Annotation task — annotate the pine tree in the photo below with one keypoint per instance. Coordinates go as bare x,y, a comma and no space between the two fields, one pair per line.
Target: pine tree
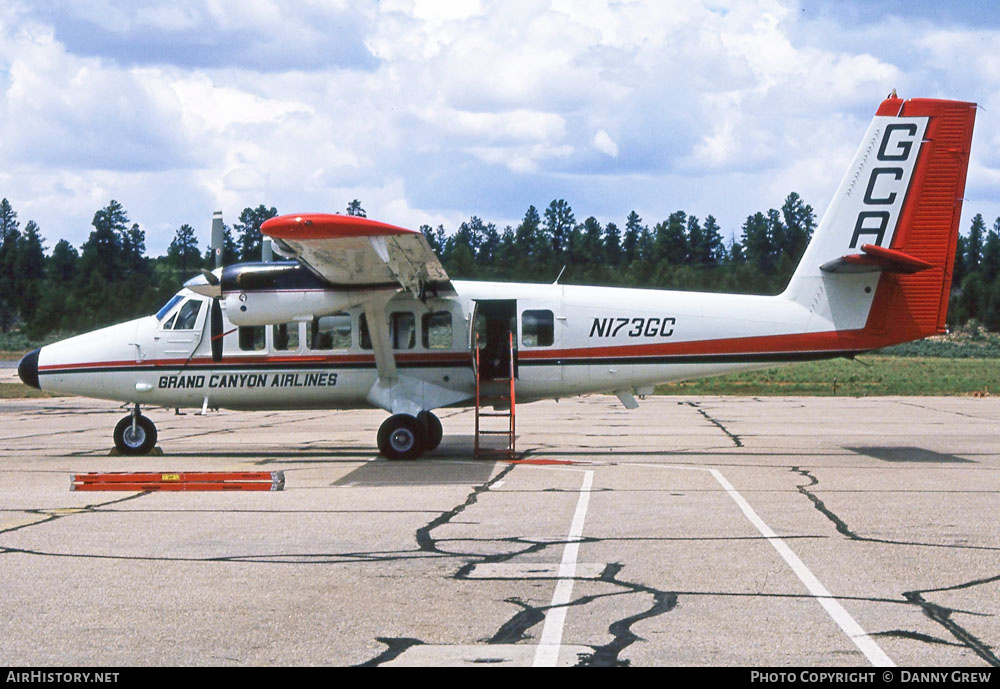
670,240
713,241
62,264
558,225
974,244
183,253
29,271
699,252
990,263
58,308
799,225
612,245
102,255
9,235
588,253
354,208
527,233
757,242
630,242
488,246
249,238
507,255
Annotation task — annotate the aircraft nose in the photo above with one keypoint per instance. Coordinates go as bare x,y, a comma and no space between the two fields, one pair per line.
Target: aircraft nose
27,370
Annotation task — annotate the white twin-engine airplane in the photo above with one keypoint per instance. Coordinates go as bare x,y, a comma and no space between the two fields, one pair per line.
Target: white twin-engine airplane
365,315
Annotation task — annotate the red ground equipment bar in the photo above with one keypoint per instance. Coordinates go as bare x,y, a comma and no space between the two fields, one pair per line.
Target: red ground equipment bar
181,480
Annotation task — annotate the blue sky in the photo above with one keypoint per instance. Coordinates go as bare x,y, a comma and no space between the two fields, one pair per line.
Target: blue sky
429,112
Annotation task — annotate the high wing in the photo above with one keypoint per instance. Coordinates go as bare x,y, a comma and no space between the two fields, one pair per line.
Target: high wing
354,252
374,261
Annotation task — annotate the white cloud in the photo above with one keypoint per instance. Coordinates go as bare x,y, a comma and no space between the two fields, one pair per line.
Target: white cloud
444,110
605,144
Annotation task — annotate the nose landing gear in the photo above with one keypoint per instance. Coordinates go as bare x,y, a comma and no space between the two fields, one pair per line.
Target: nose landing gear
135,434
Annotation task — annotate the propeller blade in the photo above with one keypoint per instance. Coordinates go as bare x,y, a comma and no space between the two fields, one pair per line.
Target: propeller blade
205,284
217,333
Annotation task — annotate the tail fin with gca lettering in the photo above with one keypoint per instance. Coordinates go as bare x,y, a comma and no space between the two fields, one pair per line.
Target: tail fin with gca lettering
879,266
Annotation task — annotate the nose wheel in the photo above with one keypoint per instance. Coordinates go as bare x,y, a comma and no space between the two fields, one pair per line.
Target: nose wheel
135,434
402,436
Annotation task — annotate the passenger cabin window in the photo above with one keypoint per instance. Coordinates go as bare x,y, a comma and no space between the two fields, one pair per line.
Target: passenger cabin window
537,328
251,338
285,337
436,330
402,330
330,332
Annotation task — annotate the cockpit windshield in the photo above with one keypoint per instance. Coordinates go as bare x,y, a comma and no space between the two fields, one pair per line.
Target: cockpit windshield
166,307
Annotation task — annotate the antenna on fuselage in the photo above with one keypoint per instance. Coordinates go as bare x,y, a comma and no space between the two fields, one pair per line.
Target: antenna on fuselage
217,229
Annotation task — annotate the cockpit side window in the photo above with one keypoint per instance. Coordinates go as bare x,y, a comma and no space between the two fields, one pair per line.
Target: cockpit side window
187,317
166,307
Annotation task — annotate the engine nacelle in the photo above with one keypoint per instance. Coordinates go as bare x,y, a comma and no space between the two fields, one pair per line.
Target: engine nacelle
266,293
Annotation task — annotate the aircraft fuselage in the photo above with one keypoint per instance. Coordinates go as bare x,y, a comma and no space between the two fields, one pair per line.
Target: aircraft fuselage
569,340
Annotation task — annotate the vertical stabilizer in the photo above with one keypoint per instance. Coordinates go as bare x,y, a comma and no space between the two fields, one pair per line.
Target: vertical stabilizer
880,262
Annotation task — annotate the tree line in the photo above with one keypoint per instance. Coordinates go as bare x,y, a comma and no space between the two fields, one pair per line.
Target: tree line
110,278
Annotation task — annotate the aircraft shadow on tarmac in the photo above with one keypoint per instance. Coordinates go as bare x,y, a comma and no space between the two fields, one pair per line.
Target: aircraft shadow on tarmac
426,472
908,454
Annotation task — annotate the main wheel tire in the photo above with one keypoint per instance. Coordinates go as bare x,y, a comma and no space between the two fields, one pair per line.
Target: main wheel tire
138,441
401,436
432,426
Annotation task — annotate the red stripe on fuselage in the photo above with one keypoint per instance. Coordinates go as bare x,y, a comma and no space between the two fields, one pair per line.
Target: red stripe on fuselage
460,358
832,341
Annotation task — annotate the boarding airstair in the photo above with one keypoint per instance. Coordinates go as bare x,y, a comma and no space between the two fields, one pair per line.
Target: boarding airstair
495,429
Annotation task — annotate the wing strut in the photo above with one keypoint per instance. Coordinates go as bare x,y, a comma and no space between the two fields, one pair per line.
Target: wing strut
378,330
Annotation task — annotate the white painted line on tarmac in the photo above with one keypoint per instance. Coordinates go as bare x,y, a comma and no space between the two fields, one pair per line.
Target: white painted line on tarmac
547,653
876,656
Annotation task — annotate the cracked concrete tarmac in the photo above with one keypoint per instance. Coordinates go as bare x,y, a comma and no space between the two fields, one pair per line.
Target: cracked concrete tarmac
889,504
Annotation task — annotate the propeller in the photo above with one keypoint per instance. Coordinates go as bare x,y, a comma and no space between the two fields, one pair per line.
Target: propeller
216,330
208,284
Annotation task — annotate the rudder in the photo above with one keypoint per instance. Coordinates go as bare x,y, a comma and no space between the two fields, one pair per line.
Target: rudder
929,224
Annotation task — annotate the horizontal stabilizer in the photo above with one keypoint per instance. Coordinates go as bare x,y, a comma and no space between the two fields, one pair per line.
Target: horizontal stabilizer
874,258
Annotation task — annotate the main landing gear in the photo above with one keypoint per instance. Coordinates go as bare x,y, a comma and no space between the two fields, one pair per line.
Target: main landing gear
135,434
402,436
